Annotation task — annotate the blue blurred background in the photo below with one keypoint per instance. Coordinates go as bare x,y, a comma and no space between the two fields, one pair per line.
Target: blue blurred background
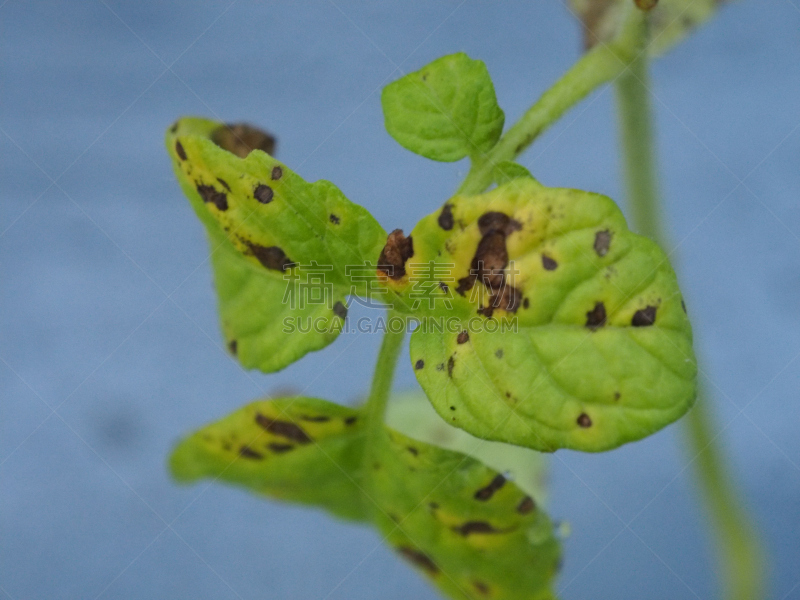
108,332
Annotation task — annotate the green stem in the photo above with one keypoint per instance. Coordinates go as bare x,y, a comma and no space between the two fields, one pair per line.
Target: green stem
600,65
739,551
382,383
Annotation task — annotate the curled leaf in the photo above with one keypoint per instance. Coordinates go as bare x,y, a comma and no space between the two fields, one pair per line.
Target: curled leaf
445,111
547,323
471,531
286,253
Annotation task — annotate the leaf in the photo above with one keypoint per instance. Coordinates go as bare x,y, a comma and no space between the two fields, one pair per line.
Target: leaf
508,170
285,253
460,523
411,414
547,323
670,20
293,449
445,111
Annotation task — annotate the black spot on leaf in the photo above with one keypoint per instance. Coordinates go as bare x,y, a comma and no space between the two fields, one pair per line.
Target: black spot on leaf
279,448
316,418
180,151
596,317
247,452
286,429
340,310
445,219
350,420
419,364
413,450
272,257
224,184
333,219
233,347
471,527
499,353
451,362
485,493
602,242
644,317
211,194
417,558
263,193
526,505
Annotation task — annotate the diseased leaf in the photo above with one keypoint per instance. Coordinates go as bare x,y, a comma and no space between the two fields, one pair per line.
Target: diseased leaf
463,525
548,323
670,20
294,449
284,251
445,111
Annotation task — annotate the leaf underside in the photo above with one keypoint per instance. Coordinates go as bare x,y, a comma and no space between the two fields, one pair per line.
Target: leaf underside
280,247
473,533
570,329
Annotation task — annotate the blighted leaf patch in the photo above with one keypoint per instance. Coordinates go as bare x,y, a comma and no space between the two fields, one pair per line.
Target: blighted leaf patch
466,527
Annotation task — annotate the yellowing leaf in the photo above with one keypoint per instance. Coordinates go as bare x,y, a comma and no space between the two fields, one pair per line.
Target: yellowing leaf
548,323
472,532
286,253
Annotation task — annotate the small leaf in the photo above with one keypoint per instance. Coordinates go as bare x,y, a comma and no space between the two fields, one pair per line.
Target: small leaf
462,524
445,111
547,323
282,249
670,20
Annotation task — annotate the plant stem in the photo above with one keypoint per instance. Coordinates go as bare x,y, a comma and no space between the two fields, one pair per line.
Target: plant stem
738,548
382,383
600,65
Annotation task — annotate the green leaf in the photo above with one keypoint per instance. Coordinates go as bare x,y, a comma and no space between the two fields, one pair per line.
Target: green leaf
445,111
508,170
547,323
286,253
462,524
670,20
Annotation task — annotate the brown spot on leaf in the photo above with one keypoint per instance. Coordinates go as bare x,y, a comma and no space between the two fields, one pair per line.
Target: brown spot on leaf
470,527
287,429
224,184
445,219
644,317
263,193
334,219
451,362
596,317
419,364
233,347
241,139
340,310
584,420
602,242
211,194
395,253
548,263
272,257
279,448
248,452
526,505
485,493
417,558
180,151
277,173
463,337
